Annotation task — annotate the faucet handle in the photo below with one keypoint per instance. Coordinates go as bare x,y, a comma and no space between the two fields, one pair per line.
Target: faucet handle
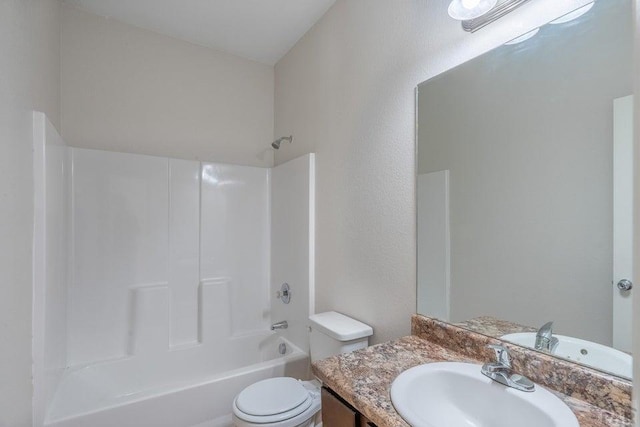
546,330
545,340
502,355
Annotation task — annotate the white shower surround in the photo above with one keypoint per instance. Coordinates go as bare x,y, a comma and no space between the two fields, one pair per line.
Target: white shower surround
50,262
162,249
167,300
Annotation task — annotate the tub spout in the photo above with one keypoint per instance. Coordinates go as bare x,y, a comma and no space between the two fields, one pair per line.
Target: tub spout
280,325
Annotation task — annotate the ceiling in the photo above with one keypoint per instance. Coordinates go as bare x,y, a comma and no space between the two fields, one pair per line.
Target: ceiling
261,30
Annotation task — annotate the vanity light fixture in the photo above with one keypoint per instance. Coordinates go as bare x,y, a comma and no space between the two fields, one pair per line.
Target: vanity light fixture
476,14
573,15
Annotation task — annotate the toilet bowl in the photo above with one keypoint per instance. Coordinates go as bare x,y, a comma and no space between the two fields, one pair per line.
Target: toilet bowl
288,402
281,402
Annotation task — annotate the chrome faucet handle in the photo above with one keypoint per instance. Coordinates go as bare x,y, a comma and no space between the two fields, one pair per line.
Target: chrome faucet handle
284,294
546,330
545,340
502,355
500,371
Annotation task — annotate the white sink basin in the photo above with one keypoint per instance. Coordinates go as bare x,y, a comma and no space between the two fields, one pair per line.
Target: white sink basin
585,352
452,394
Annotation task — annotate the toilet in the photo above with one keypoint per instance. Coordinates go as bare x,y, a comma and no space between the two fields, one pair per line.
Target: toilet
289,402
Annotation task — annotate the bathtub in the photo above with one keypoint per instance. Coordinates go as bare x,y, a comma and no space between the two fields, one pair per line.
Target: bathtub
183,388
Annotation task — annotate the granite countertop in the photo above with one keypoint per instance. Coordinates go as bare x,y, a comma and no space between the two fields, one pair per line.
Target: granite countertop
363,378
493,327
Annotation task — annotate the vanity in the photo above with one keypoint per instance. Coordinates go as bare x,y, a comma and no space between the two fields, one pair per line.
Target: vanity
359,383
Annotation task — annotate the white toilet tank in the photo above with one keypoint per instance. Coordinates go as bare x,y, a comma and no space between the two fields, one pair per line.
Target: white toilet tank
333,333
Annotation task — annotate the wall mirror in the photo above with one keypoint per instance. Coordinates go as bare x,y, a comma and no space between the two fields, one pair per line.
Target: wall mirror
524,190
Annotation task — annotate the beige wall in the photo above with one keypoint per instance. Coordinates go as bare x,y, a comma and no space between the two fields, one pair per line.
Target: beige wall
133,90
29,79
346,92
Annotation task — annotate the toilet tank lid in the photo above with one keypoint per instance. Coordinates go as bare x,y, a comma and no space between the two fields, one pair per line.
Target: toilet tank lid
339,326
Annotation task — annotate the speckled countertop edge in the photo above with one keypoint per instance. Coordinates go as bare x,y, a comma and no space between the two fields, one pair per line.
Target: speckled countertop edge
493,327
363,378
497,328
608,392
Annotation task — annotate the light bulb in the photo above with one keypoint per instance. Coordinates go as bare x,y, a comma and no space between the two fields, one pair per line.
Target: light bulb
464,10
470,4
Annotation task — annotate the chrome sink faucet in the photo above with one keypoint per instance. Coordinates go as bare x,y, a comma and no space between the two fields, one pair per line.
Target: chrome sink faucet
280,325
545,340
500,371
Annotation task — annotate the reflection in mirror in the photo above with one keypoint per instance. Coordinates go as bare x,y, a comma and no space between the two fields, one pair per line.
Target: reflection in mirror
524,190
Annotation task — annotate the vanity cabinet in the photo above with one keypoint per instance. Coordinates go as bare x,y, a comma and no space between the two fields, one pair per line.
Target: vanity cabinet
338,413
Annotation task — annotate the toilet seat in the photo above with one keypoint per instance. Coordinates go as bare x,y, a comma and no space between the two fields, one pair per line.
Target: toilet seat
272,400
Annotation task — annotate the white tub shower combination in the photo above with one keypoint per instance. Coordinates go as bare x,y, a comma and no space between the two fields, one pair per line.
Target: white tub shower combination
184,389
154,284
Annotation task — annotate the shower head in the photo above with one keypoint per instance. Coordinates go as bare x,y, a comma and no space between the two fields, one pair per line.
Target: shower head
276,144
